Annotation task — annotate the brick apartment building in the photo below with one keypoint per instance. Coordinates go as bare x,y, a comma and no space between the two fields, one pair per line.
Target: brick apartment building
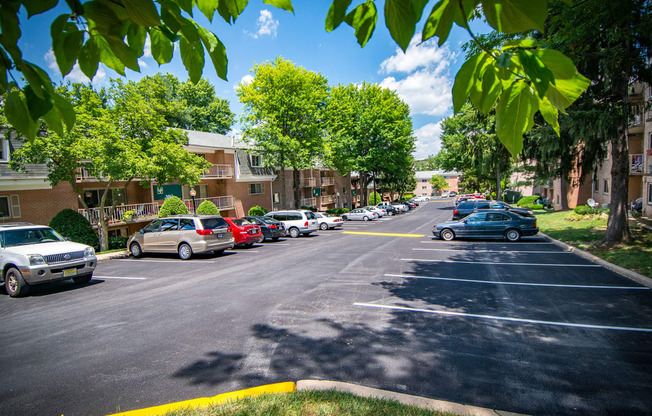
424,187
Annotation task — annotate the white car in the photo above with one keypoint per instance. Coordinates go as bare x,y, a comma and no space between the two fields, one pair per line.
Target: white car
400,207
296,222
327,221
360,214
380,211
422,199
33,254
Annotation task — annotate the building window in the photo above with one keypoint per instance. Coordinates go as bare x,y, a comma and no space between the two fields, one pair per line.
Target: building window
596,184
650,142
92,197
256,161
558,200
424,187
605,187
255,188
649,193
277,198
4,151
9,207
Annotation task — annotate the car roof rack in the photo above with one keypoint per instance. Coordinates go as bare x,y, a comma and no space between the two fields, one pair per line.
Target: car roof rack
15,224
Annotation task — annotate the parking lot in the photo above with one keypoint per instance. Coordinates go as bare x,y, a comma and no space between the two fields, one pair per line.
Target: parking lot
523,327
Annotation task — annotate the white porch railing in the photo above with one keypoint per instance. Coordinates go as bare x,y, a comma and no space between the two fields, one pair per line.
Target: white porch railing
327,181
308,182
309,202
221,202
328,199
142,212
218,172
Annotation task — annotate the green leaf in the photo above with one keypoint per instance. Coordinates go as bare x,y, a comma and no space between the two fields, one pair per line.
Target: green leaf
18,115
515,115
107,57
66,49
35,7
162,46
418,6
231,9
9,24
37,106
281,4
485,92
192,56
400,19
65,110
53,121
363,19
520,43
440,21
336,14
171,15
208,7
186,5
514,16
136,37
142,12
76,7
569,84
89,58
465,78
123,52
549,113
536,71
103,17
37,79
216,51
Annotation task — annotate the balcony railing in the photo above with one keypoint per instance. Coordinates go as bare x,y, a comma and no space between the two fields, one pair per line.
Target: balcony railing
309,202
141,212
218,172
636,164
308,182
328,199
327,181
221,202
83,175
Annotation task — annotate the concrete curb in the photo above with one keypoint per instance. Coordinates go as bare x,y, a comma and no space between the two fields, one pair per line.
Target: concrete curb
638,278
422,402
115,255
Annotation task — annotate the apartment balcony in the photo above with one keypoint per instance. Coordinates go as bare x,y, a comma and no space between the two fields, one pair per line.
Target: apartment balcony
308,182
84,175
223,203
327,181
218,172
328,199
136,213
636,164
636,125
309,202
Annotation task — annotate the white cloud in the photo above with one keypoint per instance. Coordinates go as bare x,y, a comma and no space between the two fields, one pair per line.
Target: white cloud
428,141
266,24
147,51
142,63
76,75
427,86
246,80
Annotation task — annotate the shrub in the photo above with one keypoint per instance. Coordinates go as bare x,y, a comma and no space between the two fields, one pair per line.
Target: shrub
340,211
407,197
172,206
117,242
527,201
374,198
70,223
586,210
207,207
536,206
257,211
128,215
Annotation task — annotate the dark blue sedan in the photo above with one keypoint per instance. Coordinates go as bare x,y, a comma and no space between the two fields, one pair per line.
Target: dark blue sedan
487,224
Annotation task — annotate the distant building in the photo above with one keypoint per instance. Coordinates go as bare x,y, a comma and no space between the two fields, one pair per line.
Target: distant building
424,187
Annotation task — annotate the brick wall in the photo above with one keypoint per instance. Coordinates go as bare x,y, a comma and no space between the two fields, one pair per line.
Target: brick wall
40,206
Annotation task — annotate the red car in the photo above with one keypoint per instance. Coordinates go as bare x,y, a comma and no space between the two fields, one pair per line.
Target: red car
245,233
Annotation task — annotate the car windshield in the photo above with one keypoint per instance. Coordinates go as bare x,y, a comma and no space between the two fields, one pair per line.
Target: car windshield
10,238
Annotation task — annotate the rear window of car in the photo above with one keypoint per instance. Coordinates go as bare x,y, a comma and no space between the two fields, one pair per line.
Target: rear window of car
465,205
211,223
483,205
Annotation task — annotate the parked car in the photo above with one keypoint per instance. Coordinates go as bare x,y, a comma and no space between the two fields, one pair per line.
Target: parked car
327,221
487,224
245,233
380,211
422,199
389,208
271,228
360,214
474,205
410,204
400,207
297,222
34,254
183,234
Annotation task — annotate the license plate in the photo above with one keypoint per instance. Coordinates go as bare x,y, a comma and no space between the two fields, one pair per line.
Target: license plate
70,272
220,236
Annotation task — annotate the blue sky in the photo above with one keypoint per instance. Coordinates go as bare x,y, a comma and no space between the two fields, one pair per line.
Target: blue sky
422,77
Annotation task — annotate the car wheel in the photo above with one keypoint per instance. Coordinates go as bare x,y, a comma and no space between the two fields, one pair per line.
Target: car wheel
135,249
447,235
323,226
513,235
185,252
15,284
82,279
345,218
365,218
275,238
294,232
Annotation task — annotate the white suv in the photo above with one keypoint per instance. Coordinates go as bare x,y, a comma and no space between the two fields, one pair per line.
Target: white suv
32,254
296,222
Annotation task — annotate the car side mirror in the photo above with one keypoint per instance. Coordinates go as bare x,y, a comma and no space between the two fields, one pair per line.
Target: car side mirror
67,238
142,231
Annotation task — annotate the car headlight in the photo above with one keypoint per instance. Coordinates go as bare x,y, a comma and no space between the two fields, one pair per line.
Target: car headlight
434,228
36,259
89,252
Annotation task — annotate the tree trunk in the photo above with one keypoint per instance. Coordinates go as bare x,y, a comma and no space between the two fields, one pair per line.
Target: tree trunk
563,193
281,177
349,192
363,189
499,197
374,178
296,188
617,226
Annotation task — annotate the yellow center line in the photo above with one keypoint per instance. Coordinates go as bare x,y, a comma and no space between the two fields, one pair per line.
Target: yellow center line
386,234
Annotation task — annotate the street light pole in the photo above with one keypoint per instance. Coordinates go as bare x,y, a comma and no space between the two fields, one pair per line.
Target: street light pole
193,193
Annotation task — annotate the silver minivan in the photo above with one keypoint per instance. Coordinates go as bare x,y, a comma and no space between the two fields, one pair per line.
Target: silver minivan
296,222
183,234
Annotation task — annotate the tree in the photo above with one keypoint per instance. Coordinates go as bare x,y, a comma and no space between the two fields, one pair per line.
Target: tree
438,182
283,117
187,105
117,139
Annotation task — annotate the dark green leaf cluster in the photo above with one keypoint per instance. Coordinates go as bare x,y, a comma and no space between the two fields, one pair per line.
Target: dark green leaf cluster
172,206
207,207
70,223
527,201
117,242
257,211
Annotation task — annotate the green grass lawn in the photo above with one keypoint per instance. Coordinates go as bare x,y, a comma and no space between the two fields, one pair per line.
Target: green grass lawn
323,403
585,234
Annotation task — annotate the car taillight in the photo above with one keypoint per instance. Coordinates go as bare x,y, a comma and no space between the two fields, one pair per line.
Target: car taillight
229,230
535,224
306,224
204,232
273,227
454,211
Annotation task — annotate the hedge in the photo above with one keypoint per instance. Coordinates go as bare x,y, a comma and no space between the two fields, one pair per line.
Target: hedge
527,201
70,223
172,206
207,207
257,211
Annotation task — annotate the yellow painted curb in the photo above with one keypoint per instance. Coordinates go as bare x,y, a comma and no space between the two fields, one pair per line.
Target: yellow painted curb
387,234
286,387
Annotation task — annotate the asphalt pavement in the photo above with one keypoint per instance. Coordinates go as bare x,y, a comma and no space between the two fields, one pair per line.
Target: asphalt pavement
524,327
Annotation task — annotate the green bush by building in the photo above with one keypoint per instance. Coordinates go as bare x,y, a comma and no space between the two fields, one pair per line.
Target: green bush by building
172,206
257,211
208,208
70,223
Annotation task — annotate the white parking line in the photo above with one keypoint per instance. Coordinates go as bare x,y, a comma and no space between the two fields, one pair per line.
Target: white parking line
243,251
167,261
503,263
277,244
486,242
491,282
505,318
119,278
493,251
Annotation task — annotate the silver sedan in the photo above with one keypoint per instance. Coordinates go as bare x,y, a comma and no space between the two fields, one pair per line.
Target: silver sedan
360,214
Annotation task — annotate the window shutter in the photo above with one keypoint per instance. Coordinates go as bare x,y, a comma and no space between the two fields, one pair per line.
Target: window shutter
15,206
